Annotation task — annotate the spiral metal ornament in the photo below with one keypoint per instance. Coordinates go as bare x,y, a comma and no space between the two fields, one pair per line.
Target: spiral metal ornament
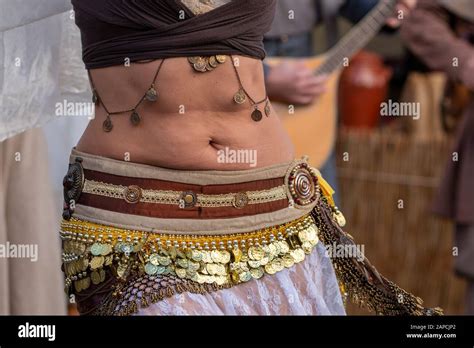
302,184
73,184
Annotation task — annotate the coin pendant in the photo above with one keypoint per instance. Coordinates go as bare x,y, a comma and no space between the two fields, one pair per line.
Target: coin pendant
257,115
213,61
180,272
96,249
151,269
151,95
95,277
256,273
240,97
267,109
135,118
107,126
95,97
221,58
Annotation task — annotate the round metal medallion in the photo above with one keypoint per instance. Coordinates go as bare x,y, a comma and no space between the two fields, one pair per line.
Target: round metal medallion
302,184
240,200
132,194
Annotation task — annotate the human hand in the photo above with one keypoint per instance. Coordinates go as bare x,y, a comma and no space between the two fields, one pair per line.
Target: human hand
403,9
294,83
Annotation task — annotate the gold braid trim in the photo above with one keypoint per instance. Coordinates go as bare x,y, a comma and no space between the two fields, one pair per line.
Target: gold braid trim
363,283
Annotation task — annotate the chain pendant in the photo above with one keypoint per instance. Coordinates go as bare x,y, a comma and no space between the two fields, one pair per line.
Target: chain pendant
240,97
107,126
257,115
267,108
135,118
151,94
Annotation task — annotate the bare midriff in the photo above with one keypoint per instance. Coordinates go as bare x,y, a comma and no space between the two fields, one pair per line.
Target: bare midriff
194,124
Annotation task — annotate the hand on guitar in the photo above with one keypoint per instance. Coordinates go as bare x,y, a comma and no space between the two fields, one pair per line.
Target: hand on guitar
294,83
403,8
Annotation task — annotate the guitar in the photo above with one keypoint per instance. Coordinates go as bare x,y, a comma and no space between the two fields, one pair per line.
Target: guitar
312,128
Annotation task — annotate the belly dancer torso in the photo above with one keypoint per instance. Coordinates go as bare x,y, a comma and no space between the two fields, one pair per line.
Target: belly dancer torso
194,117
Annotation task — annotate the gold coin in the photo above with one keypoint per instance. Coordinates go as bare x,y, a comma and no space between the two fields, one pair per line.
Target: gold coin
78,285
254,264
221,58
264,261
180,272
213,61
160,269
164,260
284,247
95,277
106,249
172,253
193,60
256,273
180,254
183,263
108,260
303,236
216,256
221,280
86,283
97,262
209,268
190,273
245,276
84,262
256,253
269,268
102,275
297,254
196,255
240,97
200,65
307,247
193,266
200,278
220,270
210,279
288,261
154,259
206,256
277,264
237,253
122,270
225,256
96,249
339,217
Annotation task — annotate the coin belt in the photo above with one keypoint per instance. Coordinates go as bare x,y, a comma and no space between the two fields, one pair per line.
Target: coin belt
135,194
224,260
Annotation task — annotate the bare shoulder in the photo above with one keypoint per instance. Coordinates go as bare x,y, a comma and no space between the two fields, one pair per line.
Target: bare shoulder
203,6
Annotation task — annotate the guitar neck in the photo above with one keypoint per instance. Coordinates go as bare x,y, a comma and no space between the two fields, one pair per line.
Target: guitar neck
357,37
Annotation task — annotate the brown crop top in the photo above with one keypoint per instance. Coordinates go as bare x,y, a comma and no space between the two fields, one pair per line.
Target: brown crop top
114,30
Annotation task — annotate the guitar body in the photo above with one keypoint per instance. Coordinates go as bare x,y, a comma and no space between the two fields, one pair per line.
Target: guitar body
312,128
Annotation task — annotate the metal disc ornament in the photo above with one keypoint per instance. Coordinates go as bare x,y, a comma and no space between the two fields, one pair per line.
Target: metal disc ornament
151,94
107,126
135,118
257,115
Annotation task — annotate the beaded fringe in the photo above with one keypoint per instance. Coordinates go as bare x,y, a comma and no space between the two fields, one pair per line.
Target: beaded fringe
365,286
111,303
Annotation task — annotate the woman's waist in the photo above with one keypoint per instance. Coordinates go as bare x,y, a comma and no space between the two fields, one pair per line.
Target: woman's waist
199,141
129,194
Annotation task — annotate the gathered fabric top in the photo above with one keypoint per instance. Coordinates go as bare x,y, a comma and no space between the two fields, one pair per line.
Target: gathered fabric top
113,31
